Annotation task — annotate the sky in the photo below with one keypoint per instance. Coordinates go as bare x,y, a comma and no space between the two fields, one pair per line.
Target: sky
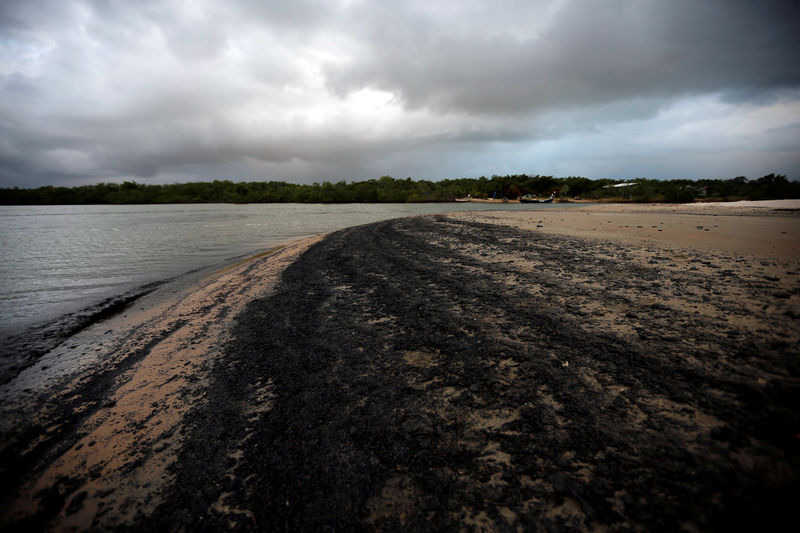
305,91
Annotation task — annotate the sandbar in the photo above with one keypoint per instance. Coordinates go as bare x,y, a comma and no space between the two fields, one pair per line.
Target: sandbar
580,368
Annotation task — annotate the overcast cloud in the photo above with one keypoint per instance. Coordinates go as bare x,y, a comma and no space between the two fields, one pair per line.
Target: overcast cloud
183,90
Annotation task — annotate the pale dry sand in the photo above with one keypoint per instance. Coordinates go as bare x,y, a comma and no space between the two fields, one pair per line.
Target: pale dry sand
157,357
757,240
767,228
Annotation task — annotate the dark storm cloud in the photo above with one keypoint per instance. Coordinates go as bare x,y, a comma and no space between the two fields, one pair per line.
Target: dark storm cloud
591,52
306,90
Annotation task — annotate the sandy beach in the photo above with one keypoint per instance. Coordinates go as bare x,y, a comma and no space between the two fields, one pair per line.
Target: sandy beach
604,367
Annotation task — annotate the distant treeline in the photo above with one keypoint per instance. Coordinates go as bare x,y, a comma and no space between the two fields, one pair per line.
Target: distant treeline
388,189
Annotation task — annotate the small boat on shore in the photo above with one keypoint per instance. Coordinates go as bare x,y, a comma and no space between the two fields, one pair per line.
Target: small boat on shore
531,199
467,198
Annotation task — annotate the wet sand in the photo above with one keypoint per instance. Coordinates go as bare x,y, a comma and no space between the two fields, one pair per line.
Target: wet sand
602,367
92,428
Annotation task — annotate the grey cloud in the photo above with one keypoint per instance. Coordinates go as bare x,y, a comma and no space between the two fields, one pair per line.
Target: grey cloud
591,52
33,16
304,14
95,90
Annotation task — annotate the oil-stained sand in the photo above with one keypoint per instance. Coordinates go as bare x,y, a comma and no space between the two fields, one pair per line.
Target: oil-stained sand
91,432
435,373
444,373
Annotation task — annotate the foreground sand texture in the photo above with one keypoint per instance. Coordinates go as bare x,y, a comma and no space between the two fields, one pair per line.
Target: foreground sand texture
98,445
547,371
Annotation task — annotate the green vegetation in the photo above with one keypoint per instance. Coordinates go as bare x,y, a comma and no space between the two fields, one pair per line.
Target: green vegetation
388,189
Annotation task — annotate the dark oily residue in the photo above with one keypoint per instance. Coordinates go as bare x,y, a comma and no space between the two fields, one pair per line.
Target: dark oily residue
389,344
428,374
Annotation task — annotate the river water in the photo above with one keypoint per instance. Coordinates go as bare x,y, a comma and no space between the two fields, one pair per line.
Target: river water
57,260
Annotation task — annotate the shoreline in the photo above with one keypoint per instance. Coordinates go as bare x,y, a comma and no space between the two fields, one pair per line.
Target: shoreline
468,351
22,350
768,204
117,391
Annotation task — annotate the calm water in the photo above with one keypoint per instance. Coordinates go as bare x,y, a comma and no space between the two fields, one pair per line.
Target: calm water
59,259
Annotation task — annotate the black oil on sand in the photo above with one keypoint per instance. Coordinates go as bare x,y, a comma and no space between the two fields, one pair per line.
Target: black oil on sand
429,374
434,374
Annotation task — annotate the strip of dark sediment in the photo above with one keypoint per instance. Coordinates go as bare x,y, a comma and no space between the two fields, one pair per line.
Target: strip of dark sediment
439,373
433,374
